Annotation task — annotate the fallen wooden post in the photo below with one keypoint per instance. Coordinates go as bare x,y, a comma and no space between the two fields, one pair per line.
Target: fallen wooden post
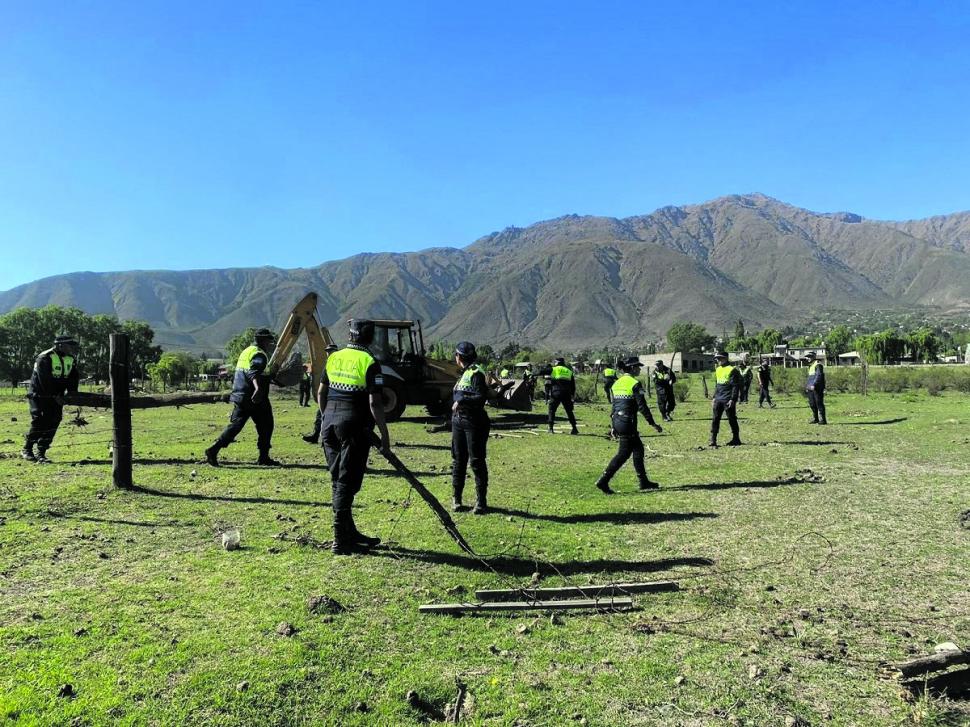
432,501
597,592
932,662
599,604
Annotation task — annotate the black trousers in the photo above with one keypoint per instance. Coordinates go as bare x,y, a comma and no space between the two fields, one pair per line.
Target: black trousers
665,402
630,446
347,436
816,402
608,387
721,408
745,390
45,418
262,416
567,404
469,440
317,425
304,395
764,396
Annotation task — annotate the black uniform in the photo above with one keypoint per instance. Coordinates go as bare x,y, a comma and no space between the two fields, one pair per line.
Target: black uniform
727,389
764,385
628,400
53,376
470,427
250,403
747,375
609,378
348,427
815,386
305,383
663,381
561,390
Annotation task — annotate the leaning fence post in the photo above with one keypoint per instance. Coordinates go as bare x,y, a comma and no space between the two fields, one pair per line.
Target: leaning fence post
120,380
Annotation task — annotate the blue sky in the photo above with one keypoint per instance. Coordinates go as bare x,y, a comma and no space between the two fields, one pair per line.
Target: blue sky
194,135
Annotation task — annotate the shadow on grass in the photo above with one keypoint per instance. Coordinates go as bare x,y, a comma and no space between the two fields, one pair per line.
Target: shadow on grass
729,485
416,473
224,498
110,521
883,421
617,518
810,442
444,447
228,464
507,565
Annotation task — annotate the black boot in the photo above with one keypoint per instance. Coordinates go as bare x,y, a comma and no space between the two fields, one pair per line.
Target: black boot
456,505
647,484
28,452
735,442
603,485
481,500
212,455
361,539
343,536
42,456
265,460
310,439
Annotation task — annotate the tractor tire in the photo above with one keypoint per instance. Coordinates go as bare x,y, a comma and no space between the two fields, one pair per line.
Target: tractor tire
394,403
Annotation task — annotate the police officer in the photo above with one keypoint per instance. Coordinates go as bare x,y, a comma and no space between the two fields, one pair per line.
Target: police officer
628,399
663,381
55,374
562,390
250,400
727,389
609,378
314,436
504,373
815,386
306,381
747,375
469,429
764,384
352,403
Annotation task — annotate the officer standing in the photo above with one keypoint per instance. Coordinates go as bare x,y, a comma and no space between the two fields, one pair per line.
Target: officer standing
609,378
663,381
727,389
250,400
306,382
504,373
352,404
314,436
764,384
628,399
55,374
470,426
562,390
747,375
815,386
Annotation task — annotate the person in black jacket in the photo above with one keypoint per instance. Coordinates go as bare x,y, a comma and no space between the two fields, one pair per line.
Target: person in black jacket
764,384
561,390
628,401
55,374
306,382
747,375
815,386
314,436
470,426
727,389
663,380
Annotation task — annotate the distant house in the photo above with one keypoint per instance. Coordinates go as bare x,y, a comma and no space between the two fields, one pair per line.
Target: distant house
849,358
680,362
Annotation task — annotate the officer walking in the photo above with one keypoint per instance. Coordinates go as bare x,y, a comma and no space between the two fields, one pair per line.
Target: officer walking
727,389
352,403
764,384
306,382
609,378
663,381
562,390
250,400
815,386
314,436
470,426
747,375
628,399
55,374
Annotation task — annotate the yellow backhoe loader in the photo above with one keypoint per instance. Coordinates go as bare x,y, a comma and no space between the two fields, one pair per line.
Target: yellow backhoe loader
410,378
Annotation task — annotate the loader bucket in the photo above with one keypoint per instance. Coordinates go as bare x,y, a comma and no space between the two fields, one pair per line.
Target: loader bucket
517,397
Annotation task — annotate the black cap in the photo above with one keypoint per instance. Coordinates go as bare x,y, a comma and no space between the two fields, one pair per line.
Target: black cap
659,362
64,339
810,354
559,360
467,351
331,347
361,331
630,362
264,333
720,354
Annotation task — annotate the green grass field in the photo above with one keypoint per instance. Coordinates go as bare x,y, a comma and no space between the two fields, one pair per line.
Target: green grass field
793,590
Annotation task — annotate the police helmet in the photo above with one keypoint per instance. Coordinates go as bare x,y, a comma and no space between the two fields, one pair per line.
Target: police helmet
720,356
264,334
331,347
660,364
361,331
630,362
467,351
65,340
560,361
810,354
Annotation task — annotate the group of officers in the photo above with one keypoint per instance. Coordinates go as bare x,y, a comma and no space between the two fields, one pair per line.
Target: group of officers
350,407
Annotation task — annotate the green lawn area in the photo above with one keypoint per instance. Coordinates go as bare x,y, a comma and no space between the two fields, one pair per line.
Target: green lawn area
793,591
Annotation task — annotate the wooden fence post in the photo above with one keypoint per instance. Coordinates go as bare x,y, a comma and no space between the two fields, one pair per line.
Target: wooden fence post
120,379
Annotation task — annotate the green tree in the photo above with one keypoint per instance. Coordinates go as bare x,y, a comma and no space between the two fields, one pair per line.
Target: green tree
238,343
838,341
924,343
768,339
739,329
688,337
173,368
140,349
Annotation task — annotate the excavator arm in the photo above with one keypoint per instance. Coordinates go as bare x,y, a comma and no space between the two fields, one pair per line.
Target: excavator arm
302,319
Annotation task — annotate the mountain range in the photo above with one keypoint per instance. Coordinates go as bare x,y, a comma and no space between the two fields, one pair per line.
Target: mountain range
566,283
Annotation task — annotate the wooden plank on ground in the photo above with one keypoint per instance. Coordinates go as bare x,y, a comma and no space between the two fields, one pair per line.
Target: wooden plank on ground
595,591
933,662
602,604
